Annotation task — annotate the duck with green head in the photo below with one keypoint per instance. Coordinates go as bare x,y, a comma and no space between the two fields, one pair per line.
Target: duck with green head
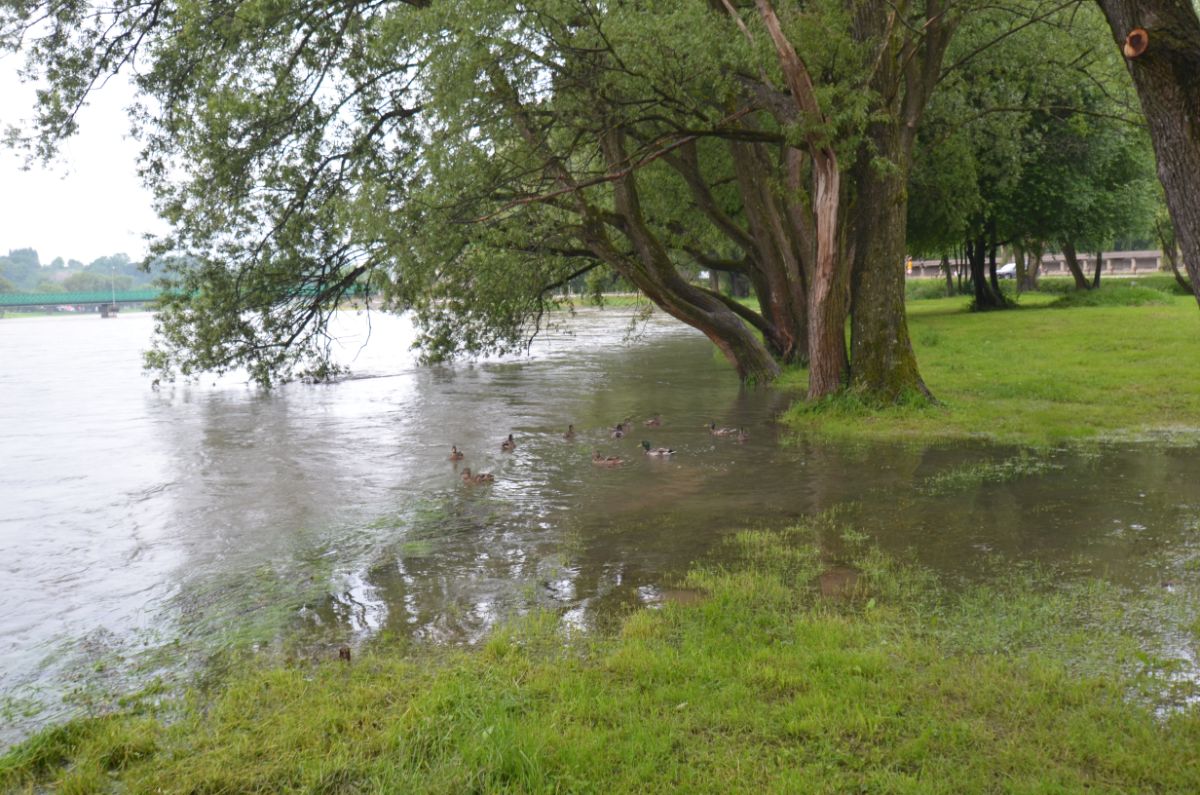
657,452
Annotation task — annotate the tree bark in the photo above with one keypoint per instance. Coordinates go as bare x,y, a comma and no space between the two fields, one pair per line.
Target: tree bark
1072,258
949,274
828,364
1099,267
1167,78
1019,258
884,366
908,66
652,271
986,297
1033,266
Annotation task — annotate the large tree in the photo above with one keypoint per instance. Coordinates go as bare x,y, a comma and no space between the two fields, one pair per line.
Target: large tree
470,158
1160,40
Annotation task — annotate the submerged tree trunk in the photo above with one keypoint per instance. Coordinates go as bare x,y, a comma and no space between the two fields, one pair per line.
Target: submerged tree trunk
1072,258
1165,66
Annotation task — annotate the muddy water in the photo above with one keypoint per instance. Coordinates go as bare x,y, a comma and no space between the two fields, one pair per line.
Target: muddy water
141,530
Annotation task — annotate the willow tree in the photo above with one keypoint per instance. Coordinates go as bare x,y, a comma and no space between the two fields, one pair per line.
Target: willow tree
468,158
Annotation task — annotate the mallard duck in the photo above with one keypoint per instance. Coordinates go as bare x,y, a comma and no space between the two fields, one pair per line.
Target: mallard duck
742,435
715,431
656,451
618,431
455,453
570,434
606,460
482,477
653,422
508,445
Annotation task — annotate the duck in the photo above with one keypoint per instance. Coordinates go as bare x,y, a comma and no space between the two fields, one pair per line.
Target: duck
508,445
618,431
455,453
606,460
570,434
482,477
742,436
715,431
657,451
653,422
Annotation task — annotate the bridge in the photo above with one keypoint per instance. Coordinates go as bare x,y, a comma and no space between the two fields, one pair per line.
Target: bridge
98,298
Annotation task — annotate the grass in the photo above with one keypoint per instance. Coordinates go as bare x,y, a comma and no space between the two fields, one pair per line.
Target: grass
1031,376
895,685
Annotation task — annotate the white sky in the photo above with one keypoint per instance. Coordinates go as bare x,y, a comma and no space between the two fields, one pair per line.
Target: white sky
87,204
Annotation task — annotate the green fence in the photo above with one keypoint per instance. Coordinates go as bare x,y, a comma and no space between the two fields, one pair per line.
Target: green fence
71,299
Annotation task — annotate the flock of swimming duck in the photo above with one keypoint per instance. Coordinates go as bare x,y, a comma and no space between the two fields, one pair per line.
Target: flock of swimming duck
618,431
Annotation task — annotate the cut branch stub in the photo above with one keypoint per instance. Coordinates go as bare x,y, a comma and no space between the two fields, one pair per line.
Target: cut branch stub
1136,43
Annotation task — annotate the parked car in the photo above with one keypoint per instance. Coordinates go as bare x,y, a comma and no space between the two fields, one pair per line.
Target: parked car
1007,271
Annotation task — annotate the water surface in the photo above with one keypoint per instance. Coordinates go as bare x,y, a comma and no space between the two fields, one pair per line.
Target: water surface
141,530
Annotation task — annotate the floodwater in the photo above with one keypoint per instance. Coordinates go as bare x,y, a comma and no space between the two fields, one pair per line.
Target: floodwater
141,531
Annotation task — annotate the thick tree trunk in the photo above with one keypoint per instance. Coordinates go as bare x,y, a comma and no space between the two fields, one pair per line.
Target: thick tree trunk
1072,258
1167,77
883,365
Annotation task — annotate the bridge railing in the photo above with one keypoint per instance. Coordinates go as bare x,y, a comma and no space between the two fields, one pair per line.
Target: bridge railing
12,300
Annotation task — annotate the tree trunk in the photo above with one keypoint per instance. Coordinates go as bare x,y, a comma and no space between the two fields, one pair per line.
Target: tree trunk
1069,253
1033,267
995,281
949,274
1167,77
1099,266
977,258
1019,258
883,365
651,270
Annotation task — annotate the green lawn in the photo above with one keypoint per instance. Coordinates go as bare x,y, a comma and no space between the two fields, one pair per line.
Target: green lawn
761,684
1038,374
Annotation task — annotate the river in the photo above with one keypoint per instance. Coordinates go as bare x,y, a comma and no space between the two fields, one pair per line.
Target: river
143,530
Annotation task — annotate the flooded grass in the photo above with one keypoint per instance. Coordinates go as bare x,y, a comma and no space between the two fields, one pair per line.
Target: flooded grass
1034,376
974,475
894,684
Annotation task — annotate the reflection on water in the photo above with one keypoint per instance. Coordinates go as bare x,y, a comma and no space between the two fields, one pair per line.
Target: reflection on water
142,530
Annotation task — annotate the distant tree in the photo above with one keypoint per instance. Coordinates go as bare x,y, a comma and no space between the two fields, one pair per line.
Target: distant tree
74,264
18,268
57,263
95,282
47,286
6,286
26,256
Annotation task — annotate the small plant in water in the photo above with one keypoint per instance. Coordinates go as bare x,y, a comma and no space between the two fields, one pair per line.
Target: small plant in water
975,475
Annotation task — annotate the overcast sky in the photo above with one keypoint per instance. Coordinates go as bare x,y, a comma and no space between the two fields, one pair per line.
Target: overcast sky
88,204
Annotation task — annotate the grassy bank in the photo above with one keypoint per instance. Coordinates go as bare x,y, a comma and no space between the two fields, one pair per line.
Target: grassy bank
1121,365
886,683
